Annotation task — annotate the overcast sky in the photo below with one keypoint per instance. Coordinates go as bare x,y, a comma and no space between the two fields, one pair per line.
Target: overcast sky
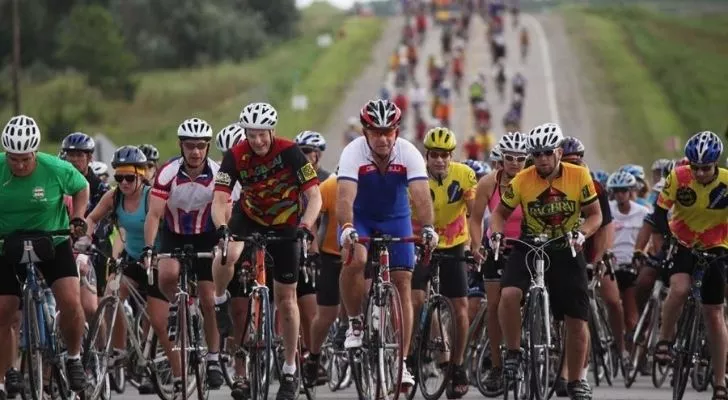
339,3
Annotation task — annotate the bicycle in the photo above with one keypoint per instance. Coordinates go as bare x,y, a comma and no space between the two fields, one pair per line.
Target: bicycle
39,338
433,346
257,342
690,337
601,337
143,360
190,340
377,365
536,343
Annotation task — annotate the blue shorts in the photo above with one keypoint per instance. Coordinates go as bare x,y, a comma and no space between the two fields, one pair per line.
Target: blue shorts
401,255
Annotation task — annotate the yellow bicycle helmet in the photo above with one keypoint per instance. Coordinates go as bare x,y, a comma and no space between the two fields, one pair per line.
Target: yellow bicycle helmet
440,139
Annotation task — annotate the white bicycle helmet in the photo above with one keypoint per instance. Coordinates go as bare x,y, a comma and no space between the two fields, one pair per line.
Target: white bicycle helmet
515,142
99,168
229,136
21,135
495,154
660,164
194,128
311,139
545,137
621,179
258,116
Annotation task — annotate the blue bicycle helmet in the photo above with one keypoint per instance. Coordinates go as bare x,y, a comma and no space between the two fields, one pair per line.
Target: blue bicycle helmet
600,176
635,170
476,166
703,148
78,141
129,155
572,146
621,179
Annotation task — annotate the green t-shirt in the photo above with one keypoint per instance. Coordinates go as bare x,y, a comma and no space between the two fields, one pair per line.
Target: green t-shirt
35,202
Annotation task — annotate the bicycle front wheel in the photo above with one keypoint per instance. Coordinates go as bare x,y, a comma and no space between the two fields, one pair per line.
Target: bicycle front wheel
539,345
390,358
32,358
435,347
685,346
259,342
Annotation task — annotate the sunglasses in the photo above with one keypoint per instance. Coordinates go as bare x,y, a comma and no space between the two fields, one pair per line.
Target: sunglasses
547,153
382,132
195,146
307,150
620,190
703,168
128,178
439,154
511,158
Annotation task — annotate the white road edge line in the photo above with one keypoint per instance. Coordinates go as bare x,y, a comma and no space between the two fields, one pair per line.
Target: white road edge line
548,68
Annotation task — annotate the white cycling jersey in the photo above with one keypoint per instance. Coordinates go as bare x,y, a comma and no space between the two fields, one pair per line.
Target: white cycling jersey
626,228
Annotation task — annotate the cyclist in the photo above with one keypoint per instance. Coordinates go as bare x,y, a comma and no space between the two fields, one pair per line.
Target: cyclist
629,217
658,178
34,184
418,98
495,158
696,196
101,170
519,84
498,48
477,92
643,188
275,177
481,112
228,137
127,206
500,78
553,196
512,120
152,154
375,173
452,186
352,130
473,149
524,42
182,196
514,148
600,175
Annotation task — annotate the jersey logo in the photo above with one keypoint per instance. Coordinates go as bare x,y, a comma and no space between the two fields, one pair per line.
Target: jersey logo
686,196
718,198
223,179
585,192
454,192
39,194
508,194
306,173
552,208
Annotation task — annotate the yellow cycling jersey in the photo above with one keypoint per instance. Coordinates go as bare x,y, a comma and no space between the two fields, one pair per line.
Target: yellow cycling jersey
552,209
699,212
448,202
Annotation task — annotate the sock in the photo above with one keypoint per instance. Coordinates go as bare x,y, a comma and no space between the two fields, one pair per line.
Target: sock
212,356
2,387
584,373
221,299
74,356
119,351
288,369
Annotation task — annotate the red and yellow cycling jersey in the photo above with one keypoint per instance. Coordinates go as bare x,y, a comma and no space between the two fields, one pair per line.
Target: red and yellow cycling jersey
552,209
699,212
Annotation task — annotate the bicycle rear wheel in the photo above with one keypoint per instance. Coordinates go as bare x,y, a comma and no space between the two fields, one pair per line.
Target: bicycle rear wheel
434,348
32,358
389,355
685,346
97,346
539,343
640,345
474,341
259,341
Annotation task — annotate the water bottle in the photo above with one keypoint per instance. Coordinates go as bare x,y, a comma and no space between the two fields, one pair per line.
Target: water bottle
376,312
50,302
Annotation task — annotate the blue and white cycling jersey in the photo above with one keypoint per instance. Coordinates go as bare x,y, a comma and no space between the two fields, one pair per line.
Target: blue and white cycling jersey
382,203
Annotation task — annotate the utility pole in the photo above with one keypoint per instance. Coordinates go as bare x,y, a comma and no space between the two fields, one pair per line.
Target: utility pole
16,58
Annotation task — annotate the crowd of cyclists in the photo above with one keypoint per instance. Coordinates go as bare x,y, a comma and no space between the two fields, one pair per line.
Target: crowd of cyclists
402,272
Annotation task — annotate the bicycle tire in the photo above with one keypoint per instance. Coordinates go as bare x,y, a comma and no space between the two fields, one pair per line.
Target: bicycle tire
227,362
539,358
32,358
659,372
606,343
93,359
483,364
160,371
684,346
195,326
390,358
476,331
640,345
439,310
261,348
700,376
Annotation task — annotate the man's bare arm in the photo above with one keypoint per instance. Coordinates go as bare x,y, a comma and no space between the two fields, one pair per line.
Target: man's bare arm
345,195
420,190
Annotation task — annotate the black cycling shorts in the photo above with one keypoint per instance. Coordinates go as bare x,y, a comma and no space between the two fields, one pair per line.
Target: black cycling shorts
565,279
712,291
201,242
63,265
626,277
135,272
284,255
327,282
453,274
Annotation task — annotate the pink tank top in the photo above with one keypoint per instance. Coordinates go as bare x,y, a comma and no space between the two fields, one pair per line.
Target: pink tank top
513,224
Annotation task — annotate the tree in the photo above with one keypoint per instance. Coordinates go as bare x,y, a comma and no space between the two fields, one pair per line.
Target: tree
91,42
280,16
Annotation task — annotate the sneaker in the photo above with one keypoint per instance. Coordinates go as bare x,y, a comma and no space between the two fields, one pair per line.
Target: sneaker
76,375
354,335
14,382
458,385
310,370
407,379
172,322
339,337
560,387
214,374
241,389
145,386
579,390
494,382
3,395
288,389
222,315
178,391
511,364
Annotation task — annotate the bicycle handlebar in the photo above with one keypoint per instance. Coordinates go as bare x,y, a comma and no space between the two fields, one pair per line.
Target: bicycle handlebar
538,242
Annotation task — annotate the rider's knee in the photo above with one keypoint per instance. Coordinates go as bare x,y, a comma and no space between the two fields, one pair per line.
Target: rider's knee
510,296
679,286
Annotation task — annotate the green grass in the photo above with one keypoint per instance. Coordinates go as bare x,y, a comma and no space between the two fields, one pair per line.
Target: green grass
218,93
667,74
